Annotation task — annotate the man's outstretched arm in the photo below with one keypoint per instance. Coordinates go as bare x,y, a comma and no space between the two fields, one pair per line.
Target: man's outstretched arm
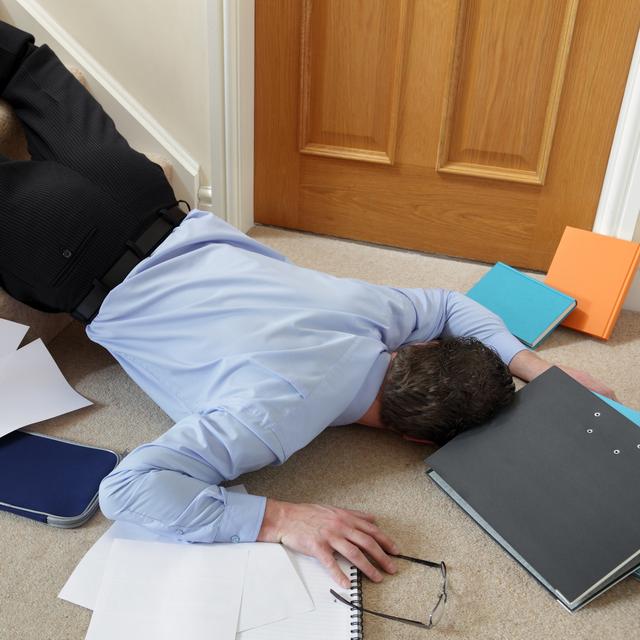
171,486
527,365
442,313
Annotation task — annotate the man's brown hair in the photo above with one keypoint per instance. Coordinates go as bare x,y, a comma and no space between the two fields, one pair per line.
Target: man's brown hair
435,390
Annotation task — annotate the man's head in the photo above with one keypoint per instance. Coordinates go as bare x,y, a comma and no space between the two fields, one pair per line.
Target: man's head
435,390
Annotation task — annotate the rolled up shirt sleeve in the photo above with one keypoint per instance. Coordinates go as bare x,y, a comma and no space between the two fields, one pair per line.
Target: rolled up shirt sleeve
171,485
443,313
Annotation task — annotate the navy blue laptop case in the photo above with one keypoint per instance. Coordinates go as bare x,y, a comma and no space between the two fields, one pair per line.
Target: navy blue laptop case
51,480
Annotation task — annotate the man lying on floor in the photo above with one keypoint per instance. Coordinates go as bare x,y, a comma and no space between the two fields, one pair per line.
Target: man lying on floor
252,356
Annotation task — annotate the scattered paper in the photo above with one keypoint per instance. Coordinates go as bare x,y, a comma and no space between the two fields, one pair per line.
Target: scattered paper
273,589
83,585
329,619
164,591
268,565
32,388
11,334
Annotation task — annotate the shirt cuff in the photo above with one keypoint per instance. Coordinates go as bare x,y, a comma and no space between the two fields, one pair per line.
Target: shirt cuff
506,345
242,517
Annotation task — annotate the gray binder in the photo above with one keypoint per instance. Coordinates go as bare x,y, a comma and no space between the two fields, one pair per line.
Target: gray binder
555,479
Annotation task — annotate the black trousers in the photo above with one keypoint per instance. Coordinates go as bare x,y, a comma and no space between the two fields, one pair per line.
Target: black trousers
66,214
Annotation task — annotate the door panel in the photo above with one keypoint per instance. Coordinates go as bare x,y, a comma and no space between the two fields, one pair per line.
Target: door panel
508,67
471,128
351,110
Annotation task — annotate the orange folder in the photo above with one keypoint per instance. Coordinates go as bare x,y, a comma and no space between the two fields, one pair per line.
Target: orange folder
597,271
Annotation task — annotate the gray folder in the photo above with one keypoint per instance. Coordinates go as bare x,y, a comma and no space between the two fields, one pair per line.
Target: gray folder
555,479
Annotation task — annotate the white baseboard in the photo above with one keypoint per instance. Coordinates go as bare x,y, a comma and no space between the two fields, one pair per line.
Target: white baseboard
134,122
632,303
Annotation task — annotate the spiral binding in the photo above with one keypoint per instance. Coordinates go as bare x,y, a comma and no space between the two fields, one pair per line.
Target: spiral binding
357,632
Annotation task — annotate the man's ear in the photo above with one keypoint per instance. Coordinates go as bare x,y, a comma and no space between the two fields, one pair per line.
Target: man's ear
418,440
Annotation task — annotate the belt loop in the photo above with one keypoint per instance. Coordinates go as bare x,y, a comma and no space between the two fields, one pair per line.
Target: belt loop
88,308
174,215
164,214
98,284
135,249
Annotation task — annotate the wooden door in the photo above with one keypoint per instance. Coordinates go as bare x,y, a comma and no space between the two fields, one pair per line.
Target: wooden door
471,128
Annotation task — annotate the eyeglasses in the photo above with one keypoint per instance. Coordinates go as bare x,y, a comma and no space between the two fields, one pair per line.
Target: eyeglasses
437,611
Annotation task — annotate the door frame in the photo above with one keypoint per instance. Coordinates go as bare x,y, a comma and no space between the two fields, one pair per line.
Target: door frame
231,105
619,208
618,212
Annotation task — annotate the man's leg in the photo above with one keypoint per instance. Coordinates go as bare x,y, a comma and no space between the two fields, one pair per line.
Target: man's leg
64,123
85,187
14,46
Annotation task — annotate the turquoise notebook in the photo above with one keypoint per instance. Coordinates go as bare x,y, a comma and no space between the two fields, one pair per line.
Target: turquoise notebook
634,416
529,308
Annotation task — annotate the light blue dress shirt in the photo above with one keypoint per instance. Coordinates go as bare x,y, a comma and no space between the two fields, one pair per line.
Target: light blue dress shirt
253,357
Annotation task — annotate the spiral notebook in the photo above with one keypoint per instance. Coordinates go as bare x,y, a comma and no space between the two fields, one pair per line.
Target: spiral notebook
330,620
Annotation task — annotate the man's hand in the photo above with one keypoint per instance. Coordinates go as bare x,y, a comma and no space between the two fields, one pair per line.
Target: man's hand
319,531
588,381
527,366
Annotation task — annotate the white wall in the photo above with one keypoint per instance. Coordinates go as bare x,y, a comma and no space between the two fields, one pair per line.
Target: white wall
159,56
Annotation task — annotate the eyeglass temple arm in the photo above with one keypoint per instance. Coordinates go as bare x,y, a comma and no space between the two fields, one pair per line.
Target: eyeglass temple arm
428,563
415,623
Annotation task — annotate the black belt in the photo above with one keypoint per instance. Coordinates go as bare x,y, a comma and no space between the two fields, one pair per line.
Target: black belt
136,251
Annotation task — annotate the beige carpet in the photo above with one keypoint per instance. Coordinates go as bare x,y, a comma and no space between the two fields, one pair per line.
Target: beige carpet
491,597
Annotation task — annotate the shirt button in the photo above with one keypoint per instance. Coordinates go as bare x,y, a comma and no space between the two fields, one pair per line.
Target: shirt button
235,538
180,532
66,253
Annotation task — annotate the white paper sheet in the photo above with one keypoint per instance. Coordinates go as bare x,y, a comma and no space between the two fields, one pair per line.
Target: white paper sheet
32,388
268,566
273,589
164,591
83,585
11,334
330,620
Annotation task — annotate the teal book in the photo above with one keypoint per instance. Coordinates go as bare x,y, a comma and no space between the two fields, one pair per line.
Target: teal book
531,309
634,416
